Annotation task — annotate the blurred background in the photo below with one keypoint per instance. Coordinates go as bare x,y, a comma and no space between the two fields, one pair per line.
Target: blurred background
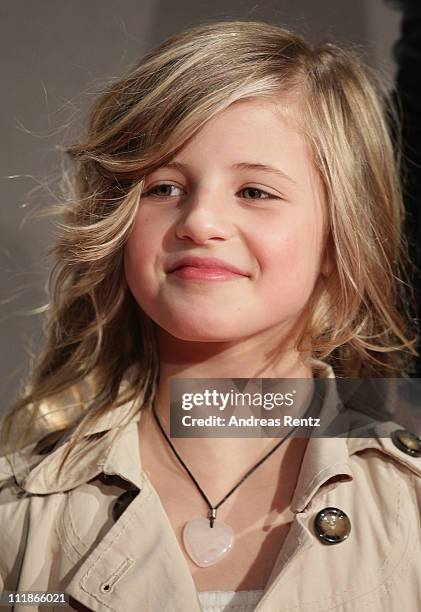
54,57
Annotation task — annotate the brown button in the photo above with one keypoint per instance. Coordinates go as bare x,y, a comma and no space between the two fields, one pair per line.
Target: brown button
332,525
122,502
407,442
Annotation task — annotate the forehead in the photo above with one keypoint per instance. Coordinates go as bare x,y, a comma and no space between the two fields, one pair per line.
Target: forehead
256,131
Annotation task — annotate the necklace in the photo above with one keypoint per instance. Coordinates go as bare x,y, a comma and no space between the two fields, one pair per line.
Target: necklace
207,541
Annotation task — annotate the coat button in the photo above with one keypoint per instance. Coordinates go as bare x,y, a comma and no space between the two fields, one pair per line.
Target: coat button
332,525
407,442
122,502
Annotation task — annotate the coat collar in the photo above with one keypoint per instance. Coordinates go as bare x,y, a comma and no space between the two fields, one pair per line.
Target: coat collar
101,446
324,458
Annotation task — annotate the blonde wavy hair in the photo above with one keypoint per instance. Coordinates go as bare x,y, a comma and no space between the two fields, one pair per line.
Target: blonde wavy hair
100,349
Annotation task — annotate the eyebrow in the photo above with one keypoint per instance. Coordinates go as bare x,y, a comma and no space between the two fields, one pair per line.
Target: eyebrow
241,166
263,168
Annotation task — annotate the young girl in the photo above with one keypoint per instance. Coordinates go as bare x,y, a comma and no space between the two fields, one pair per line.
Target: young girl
235,213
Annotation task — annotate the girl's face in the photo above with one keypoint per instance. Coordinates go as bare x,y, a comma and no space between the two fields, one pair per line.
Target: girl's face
243,190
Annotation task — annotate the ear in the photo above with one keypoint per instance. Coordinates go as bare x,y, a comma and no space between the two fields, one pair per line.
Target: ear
328,260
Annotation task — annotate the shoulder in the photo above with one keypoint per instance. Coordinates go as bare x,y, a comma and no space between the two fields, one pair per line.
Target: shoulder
15,468
82,451
393,445
387,472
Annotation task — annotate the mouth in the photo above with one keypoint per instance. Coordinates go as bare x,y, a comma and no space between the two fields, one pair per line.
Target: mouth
205,274
205,267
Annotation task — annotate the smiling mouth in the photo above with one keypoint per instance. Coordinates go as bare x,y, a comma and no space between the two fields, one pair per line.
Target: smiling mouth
205,274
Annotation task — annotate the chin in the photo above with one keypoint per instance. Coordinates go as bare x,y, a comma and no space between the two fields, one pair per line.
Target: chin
195,331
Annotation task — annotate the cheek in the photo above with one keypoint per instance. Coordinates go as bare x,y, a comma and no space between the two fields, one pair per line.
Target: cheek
140,252
145,232
289,258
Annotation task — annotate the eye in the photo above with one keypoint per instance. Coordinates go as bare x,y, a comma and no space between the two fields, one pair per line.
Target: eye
254,191
162,190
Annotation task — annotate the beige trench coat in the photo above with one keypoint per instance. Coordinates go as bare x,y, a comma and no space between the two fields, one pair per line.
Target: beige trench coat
62,537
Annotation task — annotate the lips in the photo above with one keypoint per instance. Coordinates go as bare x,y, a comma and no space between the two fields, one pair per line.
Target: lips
210,263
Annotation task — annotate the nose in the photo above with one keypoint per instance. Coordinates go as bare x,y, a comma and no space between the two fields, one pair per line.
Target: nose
205,216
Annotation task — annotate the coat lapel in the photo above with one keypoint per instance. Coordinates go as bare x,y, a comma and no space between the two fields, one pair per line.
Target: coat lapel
138,564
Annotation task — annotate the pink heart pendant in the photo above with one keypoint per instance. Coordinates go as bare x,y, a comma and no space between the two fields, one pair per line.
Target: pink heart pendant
207,545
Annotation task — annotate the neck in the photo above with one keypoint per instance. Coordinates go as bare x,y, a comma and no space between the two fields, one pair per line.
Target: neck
250,359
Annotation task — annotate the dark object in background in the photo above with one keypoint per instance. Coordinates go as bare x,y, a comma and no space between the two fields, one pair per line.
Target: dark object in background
407,100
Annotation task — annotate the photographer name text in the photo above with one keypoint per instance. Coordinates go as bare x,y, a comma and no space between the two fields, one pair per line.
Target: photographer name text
251,421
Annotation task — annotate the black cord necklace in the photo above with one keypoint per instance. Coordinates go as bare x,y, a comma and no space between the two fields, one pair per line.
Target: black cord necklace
203,546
